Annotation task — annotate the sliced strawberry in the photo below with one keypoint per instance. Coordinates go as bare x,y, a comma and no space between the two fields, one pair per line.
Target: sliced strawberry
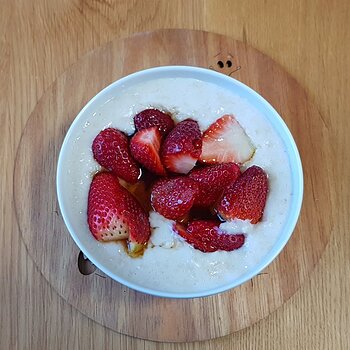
173,198
111,150
206,236
246,198
205,246
114,214
144,147
226,141
182,147
212,181
154,117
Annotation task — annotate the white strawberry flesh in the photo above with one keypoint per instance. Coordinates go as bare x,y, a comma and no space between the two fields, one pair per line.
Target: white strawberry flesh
226,141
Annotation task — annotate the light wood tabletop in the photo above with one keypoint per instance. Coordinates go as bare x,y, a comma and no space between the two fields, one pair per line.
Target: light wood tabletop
39,40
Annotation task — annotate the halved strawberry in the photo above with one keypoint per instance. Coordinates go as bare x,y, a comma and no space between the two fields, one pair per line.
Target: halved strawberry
246,198
212,180
182,147
206,236
205,246
111,150
114,214
226,141
154,117
173,198
144,147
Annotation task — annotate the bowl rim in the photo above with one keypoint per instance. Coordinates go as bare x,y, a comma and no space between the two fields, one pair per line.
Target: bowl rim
297,171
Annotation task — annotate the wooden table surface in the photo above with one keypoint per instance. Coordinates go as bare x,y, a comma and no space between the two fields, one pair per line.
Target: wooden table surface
40,39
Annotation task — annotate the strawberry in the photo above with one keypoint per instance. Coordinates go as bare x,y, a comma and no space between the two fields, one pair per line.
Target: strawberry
206,236
246,198
111,150
173,198
226,141
154,117
182,147
212,180
144,147
205,246
114,214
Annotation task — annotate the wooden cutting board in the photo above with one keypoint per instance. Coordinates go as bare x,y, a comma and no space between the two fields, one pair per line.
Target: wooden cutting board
111,304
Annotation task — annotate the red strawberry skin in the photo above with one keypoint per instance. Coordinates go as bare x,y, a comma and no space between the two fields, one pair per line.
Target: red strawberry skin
246,198
205,246
206,236
212,181
182,147
113,213
144,147
173,198
111,150
154,117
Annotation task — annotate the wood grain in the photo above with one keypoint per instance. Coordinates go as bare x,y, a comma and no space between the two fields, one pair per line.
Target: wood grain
55,253
39,40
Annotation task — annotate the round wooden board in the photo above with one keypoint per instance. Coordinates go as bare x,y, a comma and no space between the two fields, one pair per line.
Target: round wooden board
110,303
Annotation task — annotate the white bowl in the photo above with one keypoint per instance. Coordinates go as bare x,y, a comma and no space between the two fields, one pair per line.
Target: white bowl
68,176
